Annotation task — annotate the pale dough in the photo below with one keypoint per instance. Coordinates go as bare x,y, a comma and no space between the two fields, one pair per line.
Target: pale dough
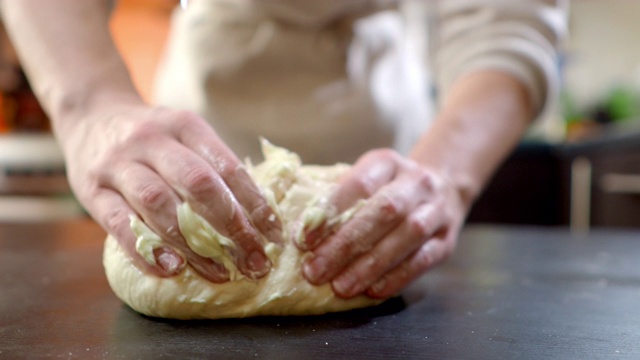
297,193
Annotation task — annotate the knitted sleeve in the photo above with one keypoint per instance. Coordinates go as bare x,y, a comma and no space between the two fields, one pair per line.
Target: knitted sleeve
517,36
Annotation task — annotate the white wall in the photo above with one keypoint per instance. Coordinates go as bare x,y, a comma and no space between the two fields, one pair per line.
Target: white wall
603,48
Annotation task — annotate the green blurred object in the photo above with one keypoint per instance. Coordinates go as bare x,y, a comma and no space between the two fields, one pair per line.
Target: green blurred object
622,104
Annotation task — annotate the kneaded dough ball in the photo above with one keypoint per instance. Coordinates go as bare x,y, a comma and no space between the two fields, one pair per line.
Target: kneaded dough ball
297,194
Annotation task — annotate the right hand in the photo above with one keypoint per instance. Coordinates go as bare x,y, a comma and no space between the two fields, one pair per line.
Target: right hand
136,160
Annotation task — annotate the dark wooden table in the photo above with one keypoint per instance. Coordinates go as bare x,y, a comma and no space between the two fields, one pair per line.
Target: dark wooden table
508,293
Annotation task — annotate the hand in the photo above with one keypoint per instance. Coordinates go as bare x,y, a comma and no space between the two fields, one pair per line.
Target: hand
140,161
409,223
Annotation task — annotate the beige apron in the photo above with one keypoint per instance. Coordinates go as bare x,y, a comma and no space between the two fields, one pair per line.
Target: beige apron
328,79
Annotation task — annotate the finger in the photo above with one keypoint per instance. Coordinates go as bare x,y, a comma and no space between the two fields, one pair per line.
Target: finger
394,249
371,172
368,175
385,211
204,141
156,203
199,184
114,214
432,253
251,199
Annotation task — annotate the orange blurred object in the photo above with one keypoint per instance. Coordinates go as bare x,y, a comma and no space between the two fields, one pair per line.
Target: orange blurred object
140,29
4,124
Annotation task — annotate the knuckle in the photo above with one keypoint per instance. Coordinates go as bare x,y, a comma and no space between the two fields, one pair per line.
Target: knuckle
365,186
238,173
425,259
239,230
183,121
152,196
389,208
351,241
198,179
425,181
419,226
429,255
142,132
117,221
89,187
96,175
105,162
227,168
374,264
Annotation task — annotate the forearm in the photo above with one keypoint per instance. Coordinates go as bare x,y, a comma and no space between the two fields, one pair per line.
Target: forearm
480,122
496,74
68,54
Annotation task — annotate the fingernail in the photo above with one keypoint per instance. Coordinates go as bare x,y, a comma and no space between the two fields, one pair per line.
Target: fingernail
315,268
345,285
169,262
257,262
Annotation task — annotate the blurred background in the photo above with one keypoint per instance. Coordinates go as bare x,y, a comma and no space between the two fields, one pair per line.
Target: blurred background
588,177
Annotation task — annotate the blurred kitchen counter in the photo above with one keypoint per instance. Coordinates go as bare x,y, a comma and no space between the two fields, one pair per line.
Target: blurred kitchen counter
591,183
33,183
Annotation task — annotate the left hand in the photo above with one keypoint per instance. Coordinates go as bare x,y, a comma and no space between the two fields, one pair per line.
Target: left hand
409,223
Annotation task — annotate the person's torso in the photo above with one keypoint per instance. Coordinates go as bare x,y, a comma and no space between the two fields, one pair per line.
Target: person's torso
329,87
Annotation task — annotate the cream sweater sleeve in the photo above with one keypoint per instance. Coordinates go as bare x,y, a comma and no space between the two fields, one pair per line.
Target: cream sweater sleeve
518,36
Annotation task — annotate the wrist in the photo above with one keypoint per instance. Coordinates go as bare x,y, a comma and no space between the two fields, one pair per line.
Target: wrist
480,122
466,186
90,98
